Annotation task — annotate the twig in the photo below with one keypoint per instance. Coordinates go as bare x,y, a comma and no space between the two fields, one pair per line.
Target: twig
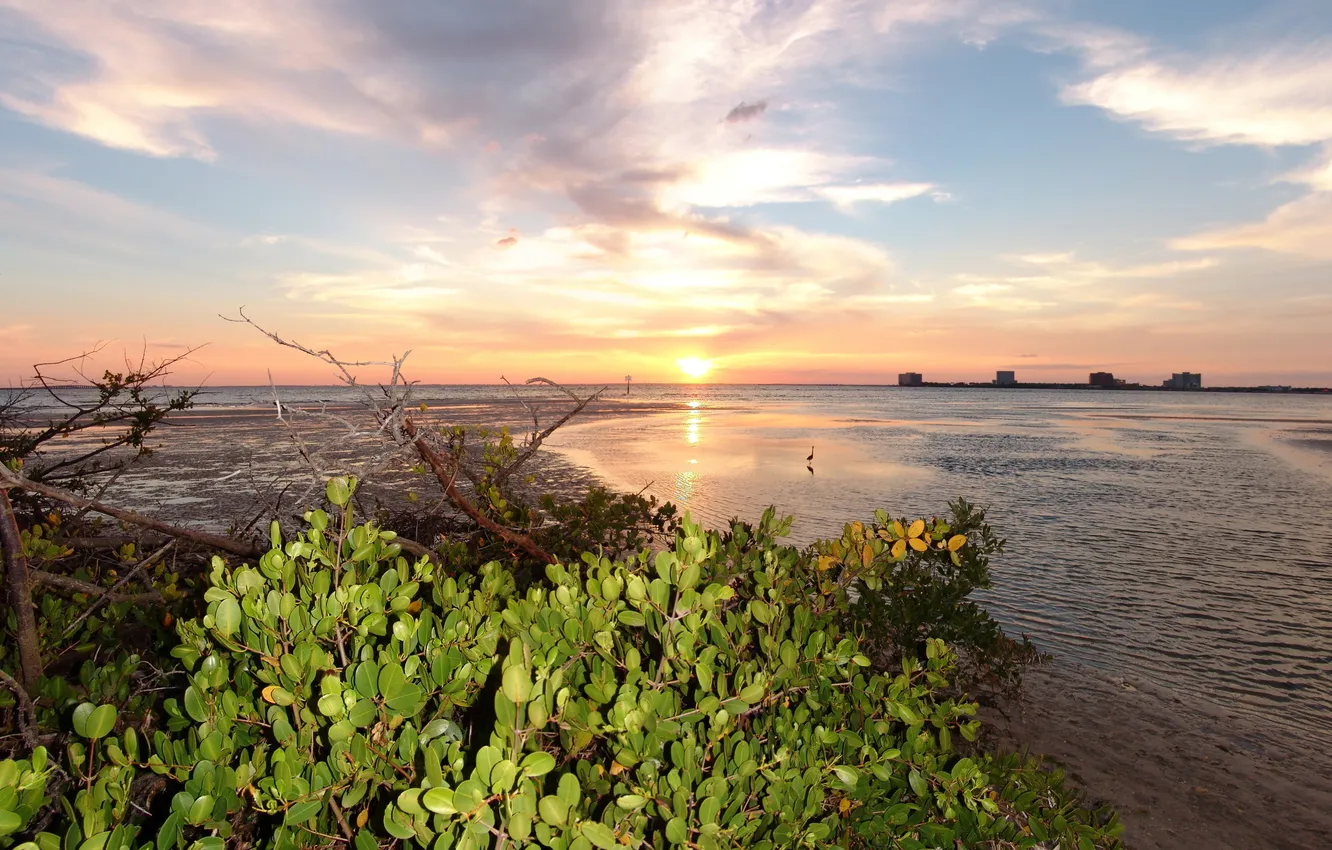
446,480
337,813
27,713
73,584
110,594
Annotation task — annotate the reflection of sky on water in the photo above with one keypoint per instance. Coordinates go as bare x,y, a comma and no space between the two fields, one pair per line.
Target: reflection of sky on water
1124,512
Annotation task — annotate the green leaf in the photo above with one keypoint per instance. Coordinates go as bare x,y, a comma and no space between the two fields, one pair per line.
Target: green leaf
194,704
538,764
520,825
9,823
363,713
517,684
100,721
97,842
303,811
200,810
339,493
676,831
553,810
227,618
81,718
439,801
632,802
848,776
395,827
169,831
599,834
917,783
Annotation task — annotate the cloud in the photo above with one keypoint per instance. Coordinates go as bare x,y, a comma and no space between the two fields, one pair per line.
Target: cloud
1303,226
44,204
746,112
883,193
1280,96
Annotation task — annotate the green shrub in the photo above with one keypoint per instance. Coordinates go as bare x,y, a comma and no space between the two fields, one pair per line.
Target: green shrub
928,595
336,693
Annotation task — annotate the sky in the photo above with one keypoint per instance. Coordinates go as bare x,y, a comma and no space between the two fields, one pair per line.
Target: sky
786,191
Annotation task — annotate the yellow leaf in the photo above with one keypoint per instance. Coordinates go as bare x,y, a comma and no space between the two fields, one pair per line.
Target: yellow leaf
616,768
271,661
364,816
267,694
898,531
916,528
844,806
918,544
883,534
866,555
858,529
957,541
825,562
899,549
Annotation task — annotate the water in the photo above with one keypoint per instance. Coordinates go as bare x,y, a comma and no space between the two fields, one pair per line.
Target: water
1183,538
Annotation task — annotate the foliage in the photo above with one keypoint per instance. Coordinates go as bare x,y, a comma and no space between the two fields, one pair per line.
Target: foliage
121,407
929,596
707,695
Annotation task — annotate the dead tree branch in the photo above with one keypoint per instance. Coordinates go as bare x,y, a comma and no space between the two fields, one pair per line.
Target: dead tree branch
27,713
75,586
18,581
446,480
243,548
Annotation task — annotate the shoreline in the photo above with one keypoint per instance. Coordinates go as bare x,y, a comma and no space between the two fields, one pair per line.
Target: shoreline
1181,774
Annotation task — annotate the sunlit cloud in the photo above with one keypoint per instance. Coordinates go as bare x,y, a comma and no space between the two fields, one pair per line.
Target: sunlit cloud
1276,96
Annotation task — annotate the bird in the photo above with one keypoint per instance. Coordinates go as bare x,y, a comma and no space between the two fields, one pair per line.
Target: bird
810,459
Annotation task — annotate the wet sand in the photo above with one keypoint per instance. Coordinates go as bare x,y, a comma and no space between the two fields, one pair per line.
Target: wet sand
1182,776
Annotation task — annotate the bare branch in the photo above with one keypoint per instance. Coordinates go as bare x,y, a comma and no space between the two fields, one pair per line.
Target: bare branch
446,480
76,586
216,541
27,713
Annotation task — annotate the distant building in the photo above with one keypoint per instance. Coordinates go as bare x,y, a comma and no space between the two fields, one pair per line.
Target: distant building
910,379
1005,379
1104,380
1183,381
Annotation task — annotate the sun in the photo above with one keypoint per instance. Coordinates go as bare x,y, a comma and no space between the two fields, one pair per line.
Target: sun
694,367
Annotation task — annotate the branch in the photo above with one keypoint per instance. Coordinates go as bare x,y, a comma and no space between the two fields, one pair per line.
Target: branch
76,586
203,538
18,582
27,713
501,477
110,595
446,480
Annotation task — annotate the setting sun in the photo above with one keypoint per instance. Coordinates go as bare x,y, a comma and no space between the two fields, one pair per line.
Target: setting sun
694,367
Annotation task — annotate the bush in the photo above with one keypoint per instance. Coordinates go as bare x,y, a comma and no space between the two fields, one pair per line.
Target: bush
704,696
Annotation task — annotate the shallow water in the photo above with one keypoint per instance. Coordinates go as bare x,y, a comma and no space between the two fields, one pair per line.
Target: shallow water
1185,538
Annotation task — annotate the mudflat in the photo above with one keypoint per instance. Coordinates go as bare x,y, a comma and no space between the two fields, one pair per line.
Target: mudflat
1183,776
